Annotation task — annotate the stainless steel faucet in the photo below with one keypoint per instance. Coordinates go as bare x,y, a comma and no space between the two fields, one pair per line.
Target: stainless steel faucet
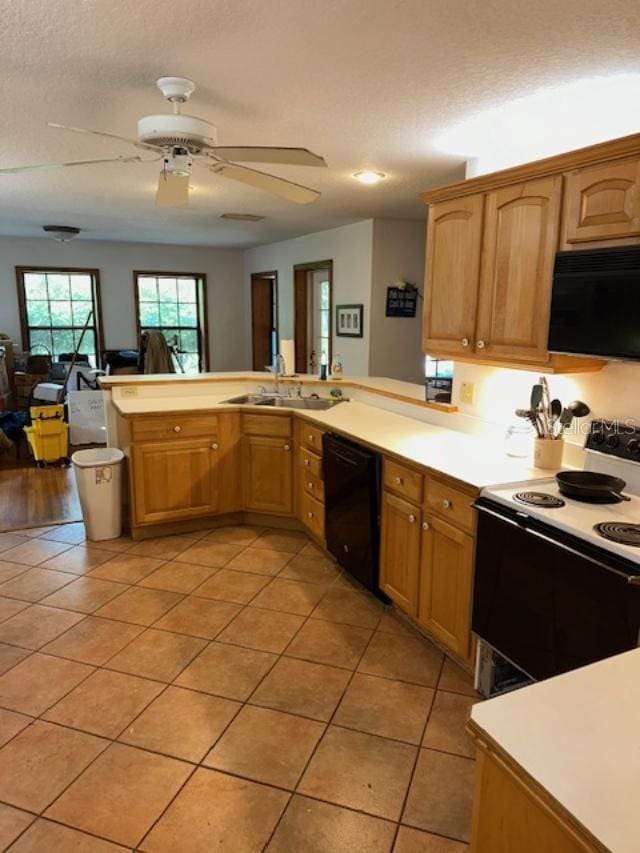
279,371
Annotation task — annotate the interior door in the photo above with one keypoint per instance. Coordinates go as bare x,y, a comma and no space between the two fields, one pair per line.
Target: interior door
454,236
520,239
301,329
263,320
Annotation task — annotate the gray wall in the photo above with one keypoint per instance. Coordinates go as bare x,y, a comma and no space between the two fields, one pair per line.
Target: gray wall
116,262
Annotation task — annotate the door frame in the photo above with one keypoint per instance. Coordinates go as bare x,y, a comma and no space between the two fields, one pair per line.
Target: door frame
273,275
300,313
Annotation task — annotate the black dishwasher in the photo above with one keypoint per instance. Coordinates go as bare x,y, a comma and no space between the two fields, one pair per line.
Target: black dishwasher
352,508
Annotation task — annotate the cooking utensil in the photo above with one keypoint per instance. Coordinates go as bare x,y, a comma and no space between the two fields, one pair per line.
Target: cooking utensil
536,396
531,416
591,486
577,409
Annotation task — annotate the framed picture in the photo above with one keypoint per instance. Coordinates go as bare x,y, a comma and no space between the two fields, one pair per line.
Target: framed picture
349,321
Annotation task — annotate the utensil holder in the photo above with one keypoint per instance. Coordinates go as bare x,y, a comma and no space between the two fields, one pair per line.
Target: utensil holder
547,452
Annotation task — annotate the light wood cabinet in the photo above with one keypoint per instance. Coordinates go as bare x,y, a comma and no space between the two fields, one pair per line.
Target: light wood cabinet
446,578
602,203
400,552
267,474
520,241
175,480
454,236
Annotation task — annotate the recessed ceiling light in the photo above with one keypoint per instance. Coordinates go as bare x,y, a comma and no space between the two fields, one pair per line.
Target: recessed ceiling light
242,217
369,177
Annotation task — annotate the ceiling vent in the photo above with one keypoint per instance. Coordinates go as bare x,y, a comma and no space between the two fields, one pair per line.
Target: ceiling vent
242,217
61,233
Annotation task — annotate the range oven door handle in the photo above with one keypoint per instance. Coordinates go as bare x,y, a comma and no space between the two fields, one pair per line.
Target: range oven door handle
631,579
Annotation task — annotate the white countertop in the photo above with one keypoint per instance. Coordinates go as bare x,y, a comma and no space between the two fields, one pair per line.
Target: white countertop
578,736
477,461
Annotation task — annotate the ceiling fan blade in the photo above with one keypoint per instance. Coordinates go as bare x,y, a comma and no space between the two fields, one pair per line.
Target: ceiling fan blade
45,167
264,154
135,142
173,190
269,183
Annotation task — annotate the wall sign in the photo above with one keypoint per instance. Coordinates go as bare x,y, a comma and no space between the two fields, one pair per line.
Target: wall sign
402,301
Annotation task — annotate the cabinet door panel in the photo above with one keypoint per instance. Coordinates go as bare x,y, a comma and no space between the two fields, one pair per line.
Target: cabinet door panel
602,203
267,470
400,552
454,233
174,480
446,584
520,240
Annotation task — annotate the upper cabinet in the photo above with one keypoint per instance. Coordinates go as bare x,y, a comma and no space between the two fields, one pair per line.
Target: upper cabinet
454,237
602,203
520,240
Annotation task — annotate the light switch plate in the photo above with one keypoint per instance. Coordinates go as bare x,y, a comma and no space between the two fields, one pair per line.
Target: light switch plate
467,391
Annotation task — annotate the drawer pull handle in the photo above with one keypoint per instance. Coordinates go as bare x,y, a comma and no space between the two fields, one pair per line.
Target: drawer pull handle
214,446
177,429
311,438
310,514
465,342
412,518
397,481
426,525
306,462
481,345
287,447
446,504
310,485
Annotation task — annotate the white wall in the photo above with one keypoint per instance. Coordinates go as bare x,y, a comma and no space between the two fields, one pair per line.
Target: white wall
398,253
116,262
350,249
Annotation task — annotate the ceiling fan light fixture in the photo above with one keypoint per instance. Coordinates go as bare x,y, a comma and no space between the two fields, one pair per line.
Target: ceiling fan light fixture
368,176
61,233
242,217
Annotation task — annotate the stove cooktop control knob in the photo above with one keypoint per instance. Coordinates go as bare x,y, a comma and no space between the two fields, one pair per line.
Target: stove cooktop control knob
633,445
597,436
613,440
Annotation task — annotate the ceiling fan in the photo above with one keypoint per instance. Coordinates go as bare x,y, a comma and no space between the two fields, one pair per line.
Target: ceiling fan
180,141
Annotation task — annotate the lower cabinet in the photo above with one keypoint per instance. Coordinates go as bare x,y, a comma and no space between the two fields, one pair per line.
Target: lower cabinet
267,472
400,552
174,480
446,577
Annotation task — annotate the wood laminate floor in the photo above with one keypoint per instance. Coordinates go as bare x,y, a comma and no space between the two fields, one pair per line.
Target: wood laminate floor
37,497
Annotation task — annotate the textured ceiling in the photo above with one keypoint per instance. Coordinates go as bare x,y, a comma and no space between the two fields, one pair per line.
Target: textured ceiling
366,83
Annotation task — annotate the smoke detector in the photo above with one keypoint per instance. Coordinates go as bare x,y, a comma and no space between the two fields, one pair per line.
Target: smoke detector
242,217
61,233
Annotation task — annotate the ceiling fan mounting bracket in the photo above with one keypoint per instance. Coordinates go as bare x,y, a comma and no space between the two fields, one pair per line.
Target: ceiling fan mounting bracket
177,90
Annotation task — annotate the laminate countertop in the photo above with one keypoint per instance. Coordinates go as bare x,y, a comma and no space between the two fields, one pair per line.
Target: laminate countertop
476,461
577,735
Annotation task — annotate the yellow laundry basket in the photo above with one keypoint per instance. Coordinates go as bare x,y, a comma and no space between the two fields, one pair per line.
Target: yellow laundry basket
48,435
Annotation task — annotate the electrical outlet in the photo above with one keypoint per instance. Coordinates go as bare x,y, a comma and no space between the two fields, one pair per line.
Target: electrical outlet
467,390
129,391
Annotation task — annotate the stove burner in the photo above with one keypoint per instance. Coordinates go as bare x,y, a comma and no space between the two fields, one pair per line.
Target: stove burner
617,531
540,499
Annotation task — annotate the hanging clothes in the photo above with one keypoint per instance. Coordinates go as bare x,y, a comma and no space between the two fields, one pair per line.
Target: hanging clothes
158,357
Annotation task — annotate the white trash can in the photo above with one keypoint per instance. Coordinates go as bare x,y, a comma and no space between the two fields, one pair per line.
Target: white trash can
99,480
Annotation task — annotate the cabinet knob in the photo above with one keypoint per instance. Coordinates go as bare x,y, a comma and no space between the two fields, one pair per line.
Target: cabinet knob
446,504
177,429
480,345
412,518
465,342
214,446
306,462
310,485
426,525
311,438
397,481
287,447
310,514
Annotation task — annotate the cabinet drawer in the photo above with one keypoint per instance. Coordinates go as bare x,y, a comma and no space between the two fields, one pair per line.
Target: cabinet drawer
312,514
311,462
312,485
266,425
404,481
173,426
450,504
311,437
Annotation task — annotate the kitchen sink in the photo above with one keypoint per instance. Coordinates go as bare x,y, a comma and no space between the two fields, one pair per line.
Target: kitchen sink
309,403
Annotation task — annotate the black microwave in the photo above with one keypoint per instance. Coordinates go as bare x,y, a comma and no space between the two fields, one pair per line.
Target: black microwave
595,304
